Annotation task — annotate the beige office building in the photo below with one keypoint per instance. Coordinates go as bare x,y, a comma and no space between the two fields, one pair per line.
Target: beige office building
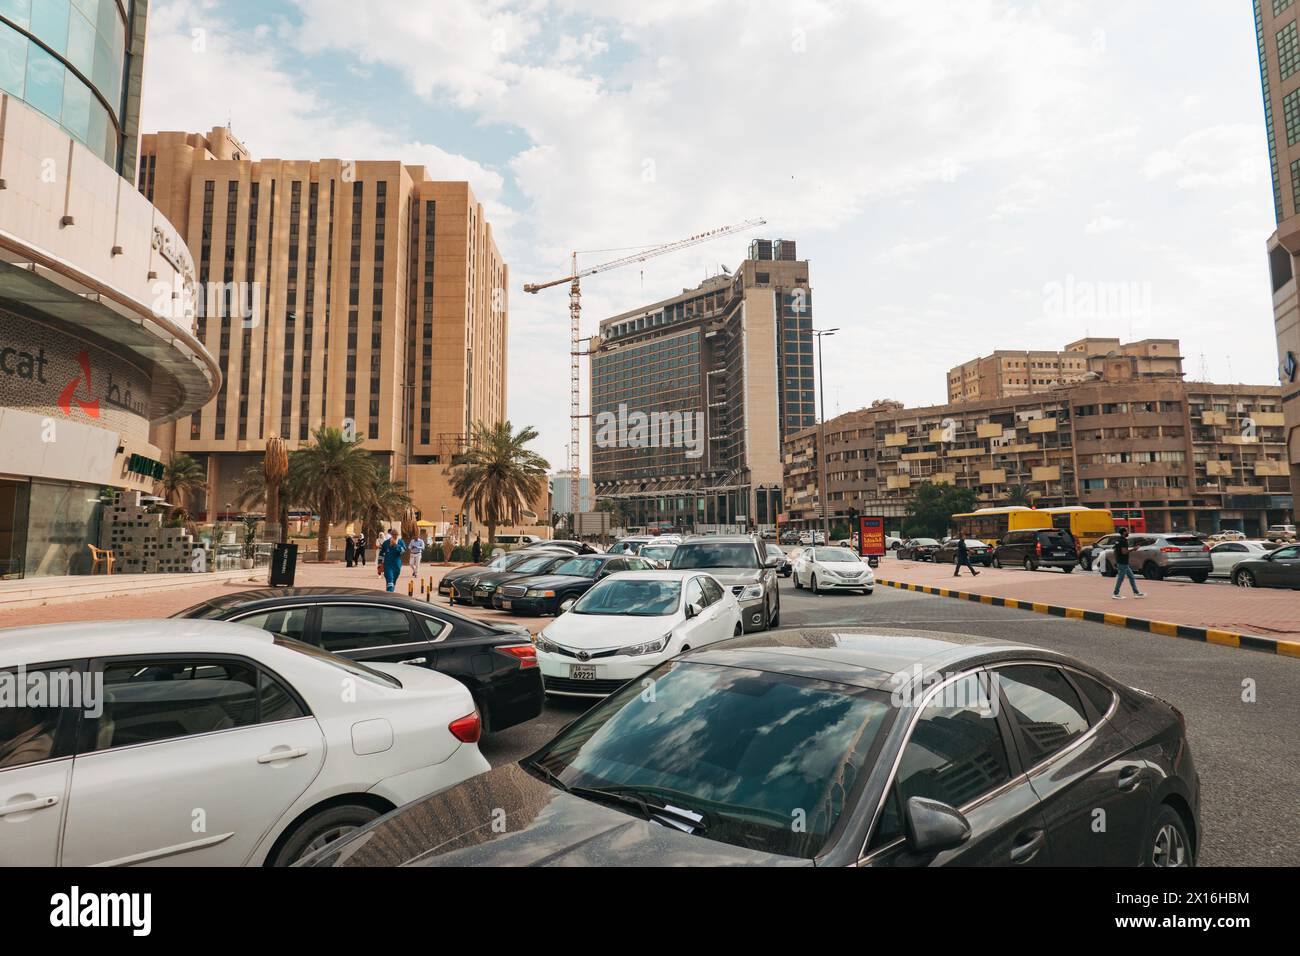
361,295
1277,35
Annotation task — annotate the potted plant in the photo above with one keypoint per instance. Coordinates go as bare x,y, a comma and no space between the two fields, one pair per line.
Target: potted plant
250,541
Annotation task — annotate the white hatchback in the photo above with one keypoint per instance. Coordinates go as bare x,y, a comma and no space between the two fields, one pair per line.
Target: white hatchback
628,624
832,569
205,743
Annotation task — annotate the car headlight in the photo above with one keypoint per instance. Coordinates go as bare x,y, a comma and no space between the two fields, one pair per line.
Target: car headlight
539,593
649,647
752,592
544,644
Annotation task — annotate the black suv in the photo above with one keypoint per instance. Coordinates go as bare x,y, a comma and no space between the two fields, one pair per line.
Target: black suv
1037,548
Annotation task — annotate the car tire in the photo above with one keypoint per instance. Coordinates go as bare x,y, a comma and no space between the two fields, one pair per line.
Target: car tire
867,592
813,586
1152,571
1030,565
739,630
797,585
1200,577
1244,579
997,562
1168,843
775,619
1068,568
321,829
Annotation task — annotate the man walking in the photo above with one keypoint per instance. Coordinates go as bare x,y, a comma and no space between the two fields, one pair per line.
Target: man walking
963,560
1122,569
417,552
477,550
350,550
390,558
361,549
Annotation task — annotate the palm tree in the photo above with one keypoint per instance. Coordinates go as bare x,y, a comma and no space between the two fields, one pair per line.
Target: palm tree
499,476
380,502
333,476
182,476
275,468
1017,495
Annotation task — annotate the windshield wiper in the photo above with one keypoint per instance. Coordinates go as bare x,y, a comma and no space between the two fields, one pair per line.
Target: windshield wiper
550,775
629,798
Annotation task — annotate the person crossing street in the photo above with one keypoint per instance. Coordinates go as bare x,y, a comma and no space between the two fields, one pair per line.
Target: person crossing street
962,560
390,558
1122,568
416,548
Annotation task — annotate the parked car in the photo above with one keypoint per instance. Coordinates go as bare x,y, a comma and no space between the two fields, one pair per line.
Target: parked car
463,579
1226,556
833,569
555,591
581,547
1229,535
1157,556
1036,548
1280,532
629,623
892,543
629,545
485,585
738,562
979,552
193,716
702,771
496,662
1088,553
789,537
917,549
658,553
783,567
1276,569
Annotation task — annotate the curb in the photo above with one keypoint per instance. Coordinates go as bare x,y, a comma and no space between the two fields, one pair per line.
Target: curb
1206,635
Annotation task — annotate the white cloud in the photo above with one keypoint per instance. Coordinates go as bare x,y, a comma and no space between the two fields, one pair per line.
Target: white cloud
1226,156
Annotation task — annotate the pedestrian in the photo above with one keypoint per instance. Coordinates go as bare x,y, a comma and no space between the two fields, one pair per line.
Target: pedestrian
361,549
390,558
962,560
477,551
1122,569
417,552
350,550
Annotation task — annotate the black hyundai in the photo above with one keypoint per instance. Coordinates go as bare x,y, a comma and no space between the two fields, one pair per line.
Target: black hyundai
832,748
485,585
497,662
555,591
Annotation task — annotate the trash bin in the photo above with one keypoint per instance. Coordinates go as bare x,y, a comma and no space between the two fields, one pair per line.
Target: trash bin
284,562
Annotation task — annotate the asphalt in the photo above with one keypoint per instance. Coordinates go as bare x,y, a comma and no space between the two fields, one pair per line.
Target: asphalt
1242,709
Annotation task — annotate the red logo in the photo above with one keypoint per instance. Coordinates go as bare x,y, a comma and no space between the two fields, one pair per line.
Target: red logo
68,396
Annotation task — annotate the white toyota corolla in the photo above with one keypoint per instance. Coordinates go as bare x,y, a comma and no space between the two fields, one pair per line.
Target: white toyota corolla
833,569
205,743
628,624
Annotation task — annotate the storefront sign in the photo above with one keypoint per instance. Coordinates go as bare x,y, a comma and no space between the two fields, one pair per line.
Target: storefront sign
144,467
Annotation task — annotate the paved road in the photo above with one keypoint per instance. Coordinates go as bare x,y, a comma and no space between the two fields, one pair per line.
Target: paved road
1247,753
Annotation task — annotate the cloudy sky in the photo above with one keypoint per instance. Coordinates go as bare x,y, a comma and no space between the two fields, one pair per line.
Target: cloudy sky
963,175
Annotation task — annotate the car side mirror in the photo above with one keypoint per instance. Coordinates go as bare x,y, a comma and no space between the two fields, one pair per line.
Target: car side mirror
932,826
692,610
772,563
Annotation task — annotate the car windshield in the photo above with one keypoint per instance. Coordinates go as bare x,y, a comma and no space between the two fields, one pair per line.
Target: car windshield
748,751
342,663
834,554
636,598
534,564
580,567
924,541
657,552
692,556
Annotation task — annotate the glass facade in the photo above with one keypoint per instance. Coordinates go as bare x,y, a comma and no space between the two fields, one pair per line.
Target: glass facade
67,59
45,527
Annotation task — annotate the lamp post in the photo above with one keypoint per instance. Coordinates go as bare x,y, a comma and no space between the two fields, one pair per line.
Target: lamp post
823,493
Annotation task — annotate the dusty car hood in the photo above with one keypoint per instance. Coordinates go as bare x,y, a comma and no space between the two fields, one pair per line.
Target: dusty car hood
508,817
733,576
551,581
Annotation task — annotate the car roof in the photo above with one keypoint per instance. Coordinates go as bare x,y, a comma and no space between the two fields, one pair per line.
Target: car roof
78,639
662,574
861,656
721,539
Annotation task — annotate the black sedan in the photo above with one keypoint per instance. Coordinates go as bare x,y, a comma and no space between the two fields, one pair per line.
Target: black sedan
485,585
498,663
554,593
917,549
980,553
1277,569
458,583
804,747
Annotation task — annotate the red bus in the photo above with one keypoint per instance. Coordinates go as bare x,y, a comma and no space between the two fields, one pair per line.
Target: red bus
1132,518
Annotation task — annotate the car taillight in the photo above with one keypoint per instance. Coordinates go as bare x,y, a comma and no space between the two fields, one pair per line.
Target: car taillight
1168,550
466,729
526,653
1038,547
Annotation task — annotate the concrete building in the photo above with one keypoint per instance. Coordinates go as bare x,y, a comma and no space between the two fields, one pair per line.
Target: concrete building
1277,34
1190,455
1006,374
562,488
360,295
94,349
691,396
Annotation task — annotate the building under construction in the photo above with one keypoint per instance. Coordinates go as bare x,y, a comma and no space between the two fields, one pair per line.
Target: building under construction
692,396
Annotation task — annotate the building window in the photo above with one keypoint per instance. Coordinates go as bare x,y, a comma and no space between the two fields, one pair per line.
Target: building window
1288,50
1280,5
1291,115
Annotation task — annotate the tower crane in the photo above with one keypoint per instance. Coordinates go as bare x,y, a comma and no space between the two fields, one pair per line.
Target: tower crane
575,316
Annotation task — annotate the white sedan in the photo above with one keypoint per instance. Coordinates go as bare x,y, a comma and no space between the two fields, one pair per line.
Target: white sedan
206,743
629,623
1227,555
832,569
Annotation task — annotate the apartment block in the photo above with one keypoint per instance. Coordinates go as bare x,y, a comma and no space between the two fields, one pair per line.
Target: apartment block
357,294
1007,373
730,362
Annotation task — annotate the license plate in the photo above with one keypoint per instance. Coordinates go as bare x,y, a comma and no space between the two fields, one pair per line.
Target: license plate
505,604
582,671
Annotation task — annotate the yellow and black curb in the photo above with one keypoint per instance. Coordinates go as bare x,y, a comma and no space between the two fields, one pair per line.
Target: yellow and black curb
1206,635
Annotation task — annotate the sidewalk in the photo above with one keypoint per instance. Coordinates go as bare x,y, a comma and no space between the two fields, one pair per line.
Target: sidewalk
164,598
1267,613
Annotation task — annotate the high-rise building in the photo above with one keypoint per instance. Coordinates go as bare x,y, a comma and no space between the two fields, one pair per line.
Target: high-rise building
90,357
360,295
1277,35
691,396
562,492
1007,374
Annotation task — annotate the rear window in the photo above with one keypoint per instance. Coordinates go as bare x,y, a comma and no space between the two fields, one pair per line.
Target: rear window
1185,542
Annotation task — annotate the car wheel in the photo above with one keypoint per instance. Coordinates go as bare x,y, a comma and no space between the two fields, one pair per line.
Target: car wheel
867,592
797,585
814,585
997,562
775,619
321,830
1068,568
1108,571
1169,844
1200,577
1244,579
1152,571
1029,565
740,629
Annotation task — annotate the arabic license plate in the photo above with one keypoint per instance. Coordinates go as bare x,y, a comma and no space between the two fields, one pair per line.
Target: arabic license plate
506,604
582,671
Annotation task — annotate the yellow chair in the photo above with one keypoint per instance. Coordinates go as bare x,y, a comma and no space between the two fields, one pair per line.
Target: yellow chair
100,557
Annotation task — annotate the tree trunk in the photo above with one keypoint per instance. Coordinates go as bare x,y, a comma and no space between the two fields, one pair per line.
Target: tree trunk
273,510
492,534
323,535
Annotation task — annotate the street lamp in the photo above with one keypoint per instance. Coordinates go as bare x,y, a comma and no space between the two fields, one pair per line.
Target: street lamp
823,493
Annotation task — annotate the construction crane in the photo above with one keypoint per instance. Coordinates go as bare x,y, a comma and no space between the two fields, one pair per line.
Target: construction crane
575,316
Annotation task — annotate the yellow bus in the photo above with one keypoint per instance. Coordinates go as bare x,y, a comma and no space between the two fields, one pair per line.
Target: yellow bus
1086,524
990,524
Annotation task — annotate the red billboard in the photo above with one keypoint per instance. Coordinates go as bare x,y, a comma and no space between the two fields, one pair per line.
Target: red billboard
871,536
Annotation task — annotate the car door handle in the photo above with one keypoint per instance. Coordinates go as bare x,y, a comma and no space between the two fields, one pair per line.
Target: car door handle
27,806
275,755
1027,846
1129,778
415,660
